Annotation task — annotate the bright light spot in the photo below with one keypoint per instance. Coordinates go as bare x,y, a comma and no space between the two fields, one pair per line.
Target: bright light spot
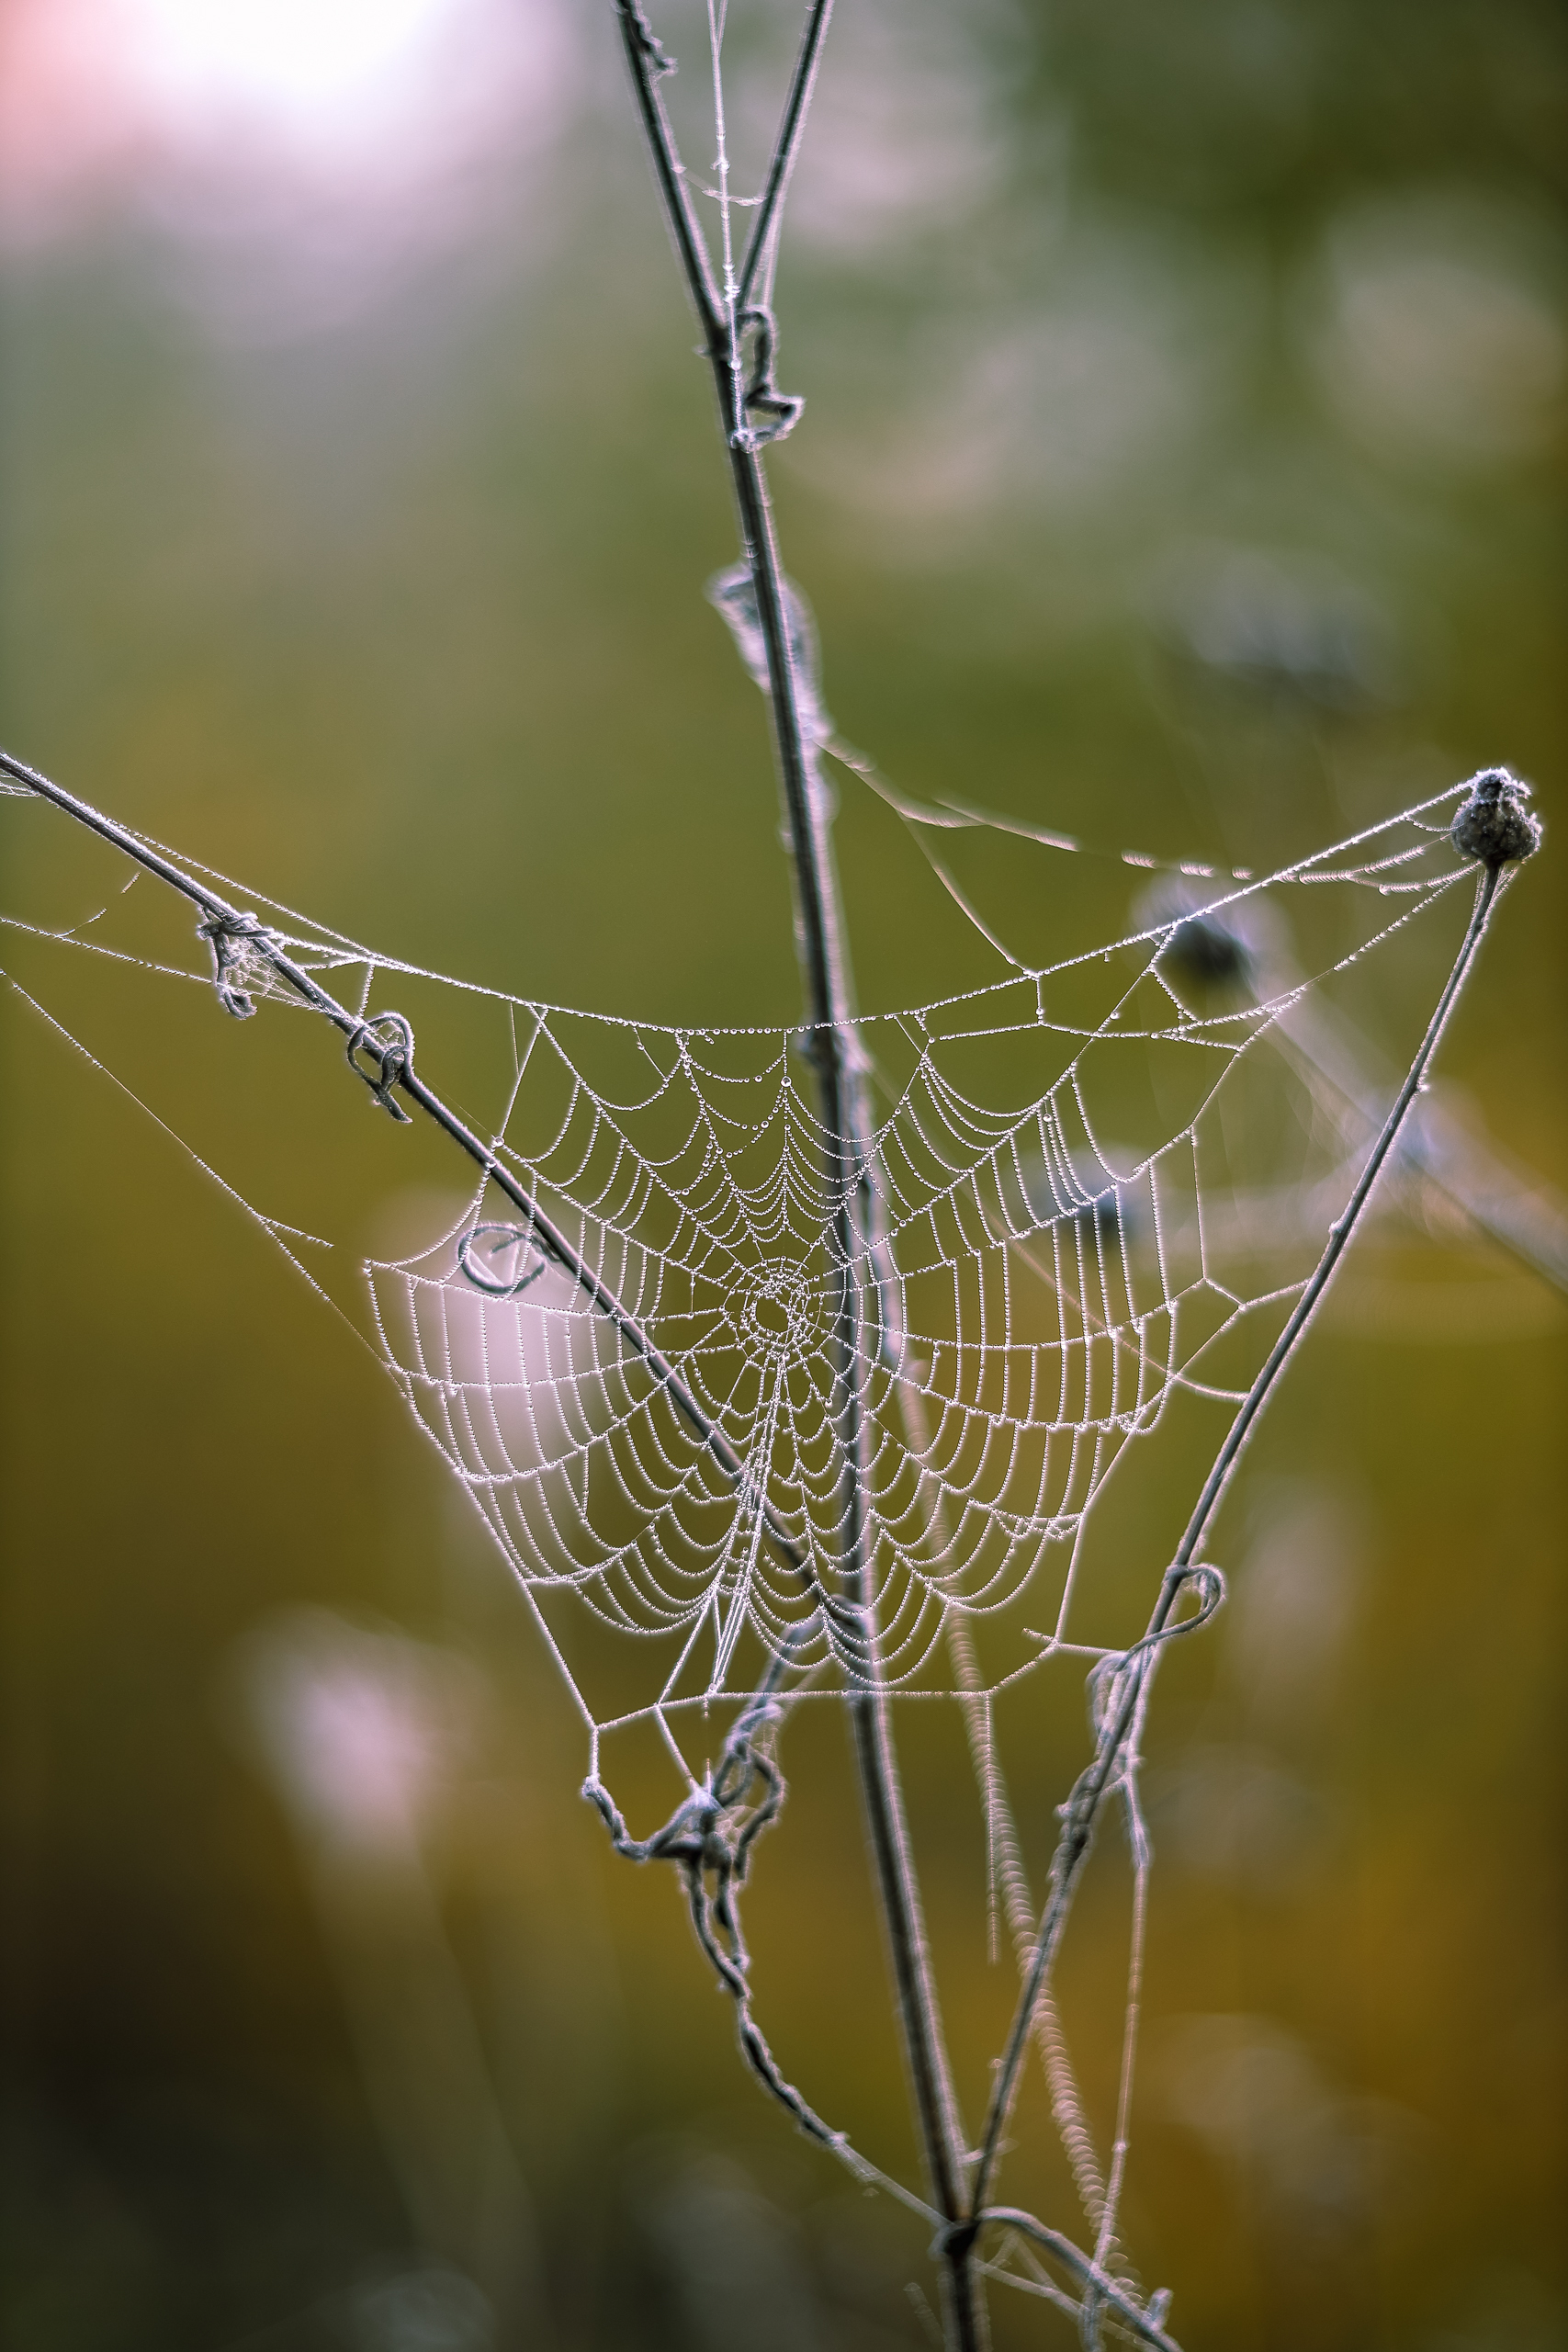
253,122
296,61
362,1732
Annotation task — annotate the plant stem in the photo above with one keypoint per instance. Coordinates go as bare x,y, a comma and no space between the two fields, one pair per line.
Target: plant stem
834,1051
835,1057
1077,1829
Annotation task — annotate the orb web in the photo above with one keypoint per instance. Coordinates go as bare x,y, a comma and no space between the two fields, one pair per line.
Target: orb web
1087,1195
1092,1192
1097,1187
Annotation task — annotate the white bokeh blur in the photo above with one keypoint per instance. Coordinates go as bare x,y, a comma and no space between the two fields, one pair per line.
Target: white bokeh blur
303,64
361,1732
1437,328
213,118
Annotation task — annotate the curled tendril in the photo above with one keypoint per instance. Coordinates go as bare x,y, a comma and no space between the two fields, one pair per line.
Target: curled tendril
393,1057
762,397
1109,1680
507,1237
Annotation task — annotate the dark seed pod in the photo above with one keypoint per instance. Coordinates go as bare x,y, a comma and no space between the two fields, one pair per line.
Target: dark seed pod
1210,949
1207,952
1493,824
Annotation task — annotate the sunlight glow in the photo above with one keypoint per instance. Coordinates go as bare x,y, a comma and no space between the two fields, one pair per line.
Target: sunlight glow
333,139
298,63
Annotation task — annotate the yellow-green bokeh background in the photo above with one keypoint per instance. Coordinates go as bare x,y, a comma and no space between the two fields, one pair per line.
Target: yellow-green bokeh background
373,579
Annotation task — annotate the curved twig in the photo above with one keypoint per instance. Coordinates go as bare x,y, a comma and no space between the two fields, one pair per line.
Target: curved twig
1082,1808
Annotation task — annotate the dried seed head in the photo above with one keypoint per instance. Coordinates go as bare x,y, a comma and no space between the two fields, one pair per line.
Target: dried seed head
1493,824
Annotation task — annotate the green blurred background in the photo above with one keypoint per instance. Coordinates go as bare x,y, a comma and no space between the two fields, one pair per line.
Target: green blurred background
1180,468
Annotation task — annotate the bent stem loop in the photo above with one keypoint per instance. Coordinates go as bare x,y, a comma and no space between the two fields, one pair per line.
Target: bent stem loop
710,1837
834,1051
1137,1665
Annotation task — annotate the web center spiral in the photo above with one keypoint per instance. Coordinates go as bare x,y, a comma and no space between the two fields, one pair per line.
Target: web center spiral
775,1314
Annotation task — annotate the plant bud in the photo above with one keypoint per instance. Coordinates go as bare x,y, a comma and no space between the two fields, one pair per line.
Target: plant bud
1493,824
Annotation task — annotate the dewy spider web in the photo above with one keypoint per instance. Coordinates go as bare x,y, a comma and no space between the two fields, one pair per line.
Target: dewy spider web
1042,1289
1090,1180
802,1356
1098,1186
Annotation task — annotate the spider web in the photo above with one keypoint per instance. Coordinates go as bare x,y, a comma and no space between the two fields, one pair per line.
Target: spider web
1088,1193
1079,1217
1099,1186
1092,1192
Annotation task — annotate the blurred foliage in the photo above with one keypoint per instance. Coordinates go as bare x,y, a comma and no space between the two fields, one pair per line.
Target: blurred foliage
1180,468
